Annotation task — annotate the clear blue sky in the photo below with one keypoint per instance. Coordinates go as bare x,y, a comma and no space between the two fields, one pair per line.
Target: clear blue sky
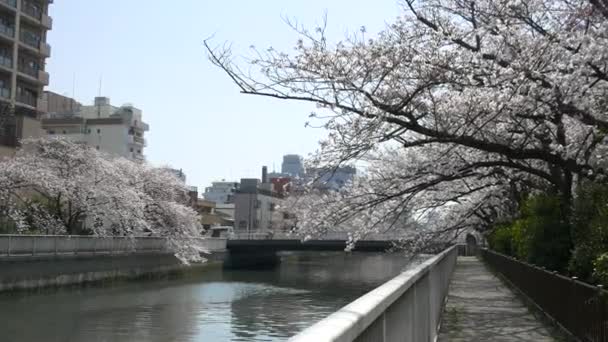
151,55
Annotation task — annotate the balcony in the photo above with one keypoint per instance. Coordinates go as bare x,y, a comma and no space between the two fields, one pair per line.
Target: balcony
5,60
5,93
27,100
139,140
34,73
9,3
31,8
45,50
43,77
141,126
30,39
47,22
6,30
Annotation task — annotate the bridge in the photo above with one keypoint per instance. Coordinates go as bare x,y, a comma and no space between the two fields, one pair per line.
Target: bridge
335,241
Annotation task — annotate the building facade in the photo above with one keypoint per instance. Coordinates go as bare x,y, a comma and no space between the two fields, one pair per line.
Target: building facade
256,208
221,192
292,165
23,52
56,103
115,130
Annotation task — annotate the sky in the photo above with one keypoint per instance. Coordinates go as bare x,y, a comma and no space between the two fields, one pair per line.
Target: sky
151,55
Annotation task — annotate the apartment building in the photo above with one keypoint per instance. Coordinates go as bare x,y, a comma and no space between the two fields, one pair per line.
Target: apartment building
115,130
23,52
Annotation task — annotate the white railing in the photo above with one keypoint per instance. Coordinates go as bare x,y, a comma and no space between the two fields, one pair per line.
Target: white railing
340,236
39,245
406,308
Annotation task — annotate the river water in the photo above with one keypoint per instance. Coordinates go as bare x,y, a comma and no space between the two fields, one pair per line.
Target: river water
215,305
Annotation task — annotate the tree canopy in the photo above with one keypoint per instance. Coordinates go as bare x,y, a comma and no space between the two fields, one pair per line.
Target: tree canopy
458,104
56,186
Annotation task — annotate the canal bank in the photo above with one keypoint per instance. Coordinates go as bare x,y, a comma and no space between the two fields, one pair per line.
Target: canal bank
216,304
32,273
30,262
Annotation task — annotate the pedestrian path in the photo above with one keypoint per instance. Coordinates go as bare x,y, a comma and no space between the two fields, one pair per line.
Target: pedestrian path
481,307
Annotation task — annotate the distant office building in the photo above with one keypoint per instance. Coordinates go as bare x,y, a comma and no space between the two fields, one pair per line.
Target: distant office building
115,130
56,103
292,165
221,192
332,179
23,53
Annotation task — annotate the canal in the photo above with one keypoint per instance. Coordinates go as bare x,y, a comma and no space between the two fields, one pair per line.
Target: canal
214,305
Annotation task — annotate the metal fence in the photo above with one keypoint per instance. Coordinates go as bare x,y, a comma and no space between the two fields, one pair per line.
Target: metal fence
406,308
578,307
41,245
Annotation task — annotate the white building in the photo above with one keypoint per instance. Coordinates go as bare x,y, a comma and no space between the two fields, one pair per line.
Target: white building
115,130
256,208
221,192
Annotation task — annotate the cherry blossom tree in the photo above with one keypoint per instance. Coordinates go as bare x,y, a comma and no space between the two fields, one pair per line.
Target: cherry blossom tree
457,109
56,186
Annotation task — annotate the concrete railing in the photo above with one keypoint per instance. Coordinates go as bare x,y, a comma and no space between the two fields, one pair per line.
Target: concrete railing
39,245
406,308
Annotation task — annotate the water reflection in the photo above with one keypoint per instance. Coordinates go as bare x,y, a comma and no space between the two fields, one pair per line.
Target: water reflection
219,305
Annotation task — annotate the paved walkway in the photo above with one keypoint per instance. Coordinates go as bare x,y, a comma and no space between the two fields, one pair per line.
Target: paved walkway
481,308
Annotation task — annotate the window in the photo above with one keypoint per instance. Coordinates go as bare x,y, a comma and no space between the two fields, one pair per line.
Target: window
89,131
139,151
242,224
99,131
257,204
271,206
131,149
64,132
97,147
51,132
256,224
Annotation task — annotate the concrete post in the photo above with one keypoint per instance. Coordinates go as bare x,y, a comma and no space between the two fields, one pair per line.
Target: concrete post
601,301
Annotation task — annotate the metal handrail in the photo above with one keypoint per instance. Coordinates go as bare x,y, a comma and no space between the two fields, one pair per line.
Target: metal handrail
580,308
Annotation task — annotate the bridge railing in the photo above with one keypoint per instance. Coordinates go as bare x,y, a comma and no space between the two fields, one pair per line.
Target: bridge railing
340,236
406,308
40,245
580,308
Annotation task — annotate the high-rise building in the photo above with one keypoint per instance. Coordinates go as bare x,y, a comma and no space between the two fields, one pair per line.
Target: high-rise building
23,51
292,165
115,130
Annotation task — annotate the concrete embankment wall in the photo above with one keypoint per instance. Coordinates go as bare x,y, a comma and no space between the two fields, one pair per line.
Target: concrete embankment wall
36,261
34,273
